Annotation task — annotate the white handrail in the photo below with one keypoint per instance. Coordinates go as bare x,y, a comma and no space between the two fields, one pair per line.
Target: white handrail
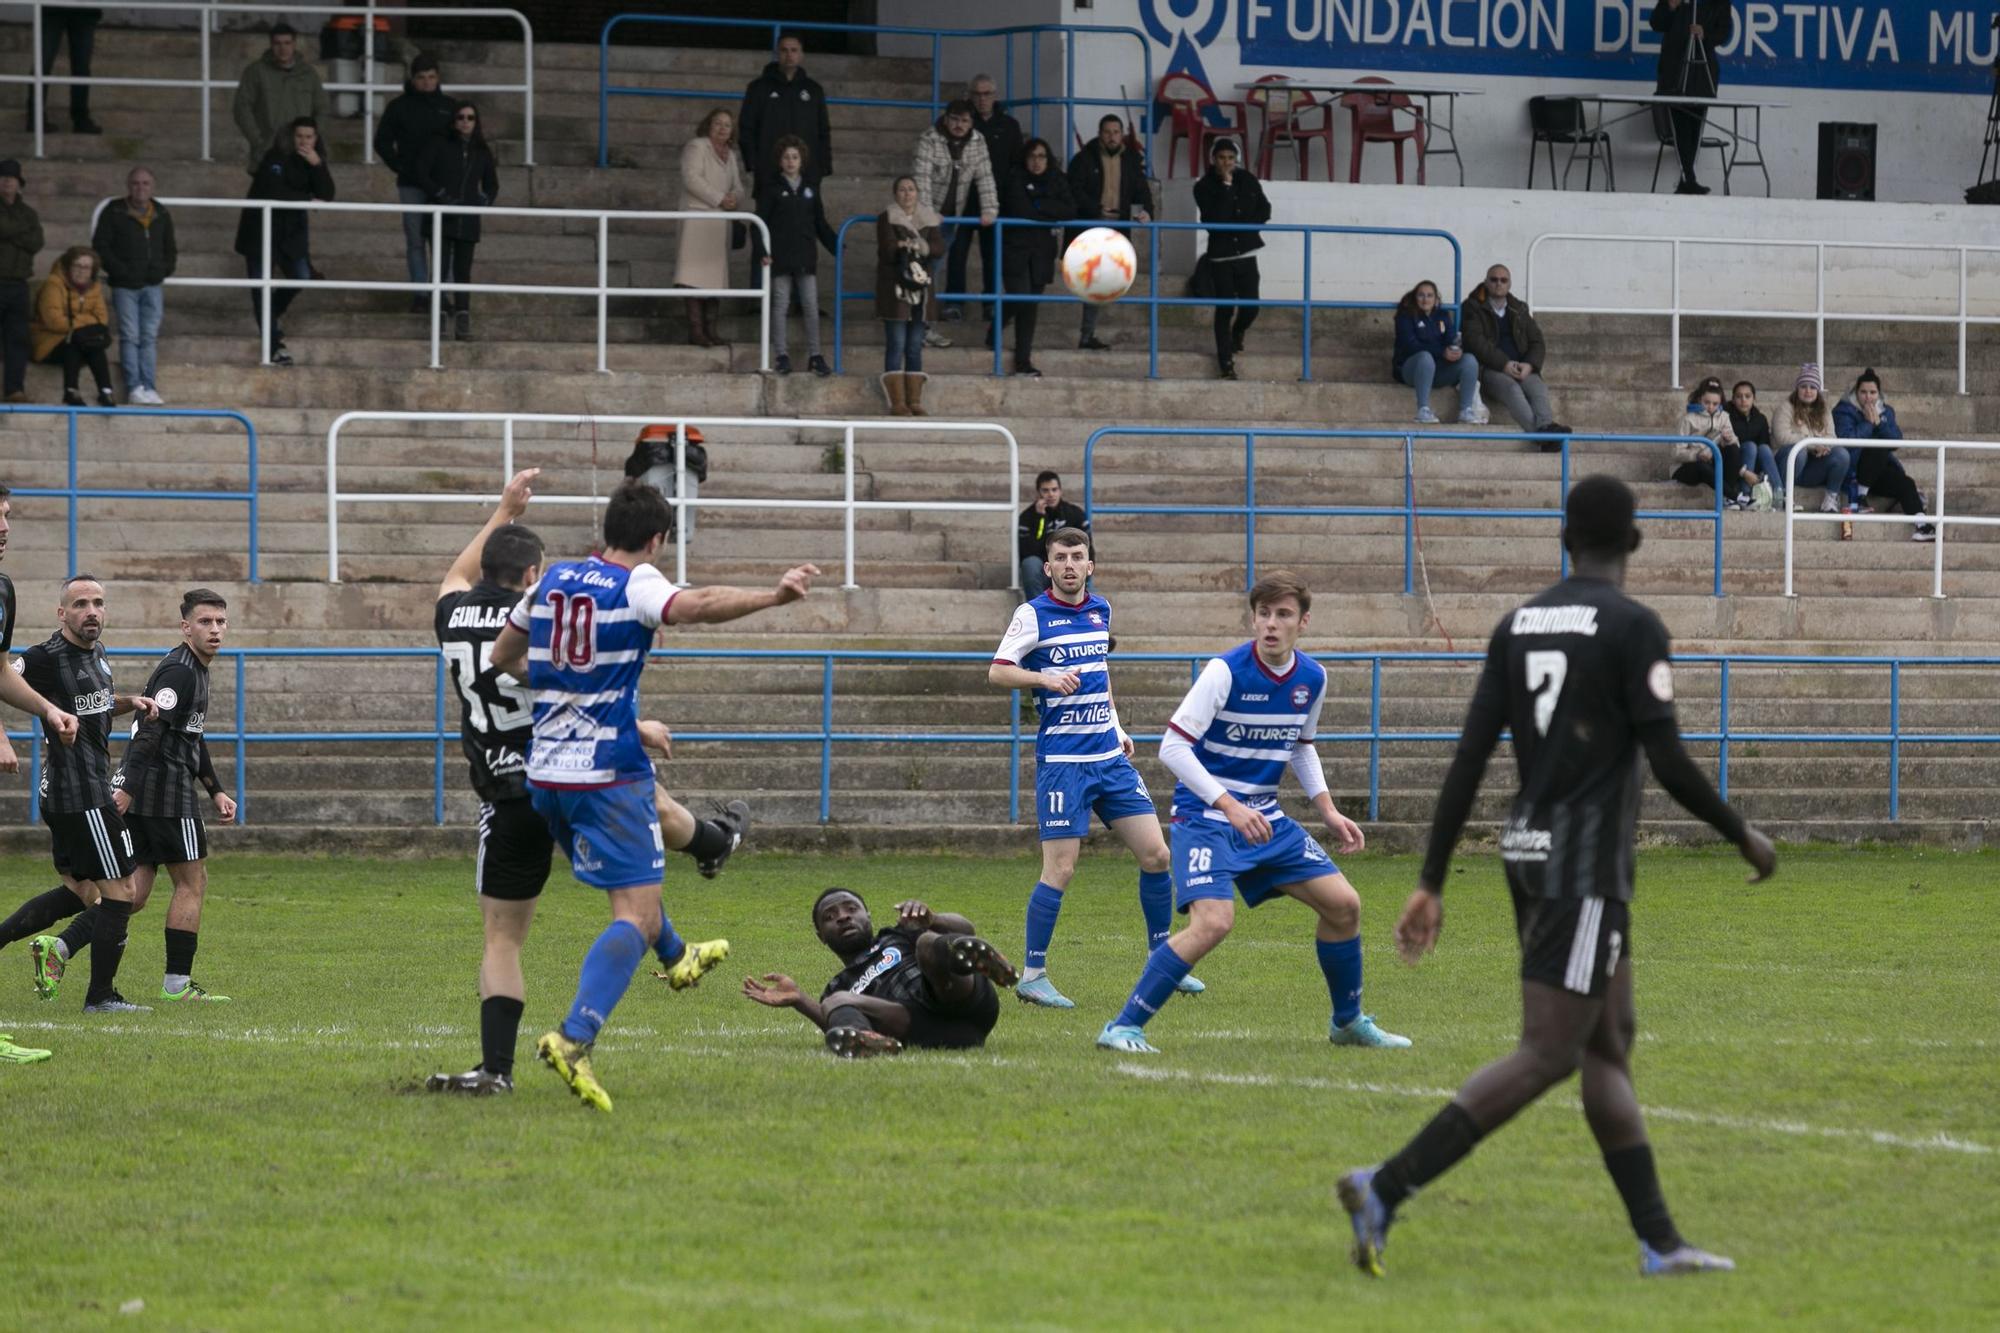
1819,314
847,504
437,286
1934,509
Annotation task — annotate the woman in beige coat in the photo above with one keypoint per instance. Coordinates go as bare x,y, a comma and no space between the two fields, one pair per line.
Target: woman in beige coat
711,181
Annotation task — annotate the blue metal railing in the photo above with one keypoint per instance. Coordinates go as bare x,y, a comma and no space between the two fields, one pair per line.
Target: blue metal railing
72,492
1034,32
1409,511
1153,301
827,737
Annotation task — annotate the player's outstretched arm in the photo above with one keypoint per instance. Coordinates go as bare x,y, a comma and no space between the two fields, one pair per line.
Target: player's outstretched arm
1689,786
1010,677
1417,929
514,499
778,991
712,606
20,694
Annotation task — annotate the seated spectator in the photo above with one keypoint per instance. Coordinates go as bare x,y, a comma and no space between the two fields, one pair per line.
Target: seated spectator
953,173
791,207
1804,416
908,241
72,325
136,239
652,461
1005,147
409,125
278,89
712,181
1501,334
1753,432
1110,187
1877,474
20,242
1427,345
1035,193
1038,522
785,101
294,169
459,169
1742,486
1226,193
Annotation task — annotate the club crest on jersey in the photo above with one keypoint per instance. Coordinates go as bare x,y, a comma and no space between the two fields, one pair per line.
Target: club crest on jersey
1096,618
890,958
1301,695
166,699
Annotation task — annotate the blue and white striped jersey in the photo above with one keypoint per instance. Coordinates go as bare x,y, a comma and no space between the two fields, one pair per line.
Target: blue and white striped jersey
1048,634
1244,720
589,624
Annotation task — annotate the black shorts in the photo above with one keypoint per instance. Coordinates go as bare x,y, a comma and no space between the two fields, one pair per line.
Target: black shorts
1573,944
953,1025
92,845
164,840
515,851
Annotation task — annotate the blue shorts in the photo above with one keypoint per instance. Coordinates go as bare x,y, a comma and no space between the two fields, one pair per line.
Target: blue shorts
611,835
1212,860
1065,794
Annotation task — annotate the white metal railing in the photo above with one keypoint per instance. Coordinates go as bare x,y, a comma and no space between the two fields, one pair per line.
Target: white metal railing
1819,314
207,83
1935,511
848,505
437,286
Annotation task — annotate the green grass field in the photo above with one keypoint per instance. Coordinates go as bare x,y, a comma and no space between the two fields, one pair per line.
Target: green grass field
1818,1056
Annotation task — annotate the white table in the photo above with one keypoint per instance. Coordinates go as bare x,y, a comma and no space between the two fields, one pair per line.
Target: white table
1642,104
1433,126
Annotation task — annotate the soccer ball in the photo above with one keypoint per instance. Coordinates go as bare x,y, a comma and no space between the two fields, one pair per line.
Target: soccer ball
1099,265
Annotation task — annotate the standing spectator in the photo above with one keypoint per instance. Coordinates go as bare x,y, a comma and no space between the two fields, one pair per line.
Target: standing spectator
409,125
459,169
1110,187
73,325
135,238
294,169
711,181
1038,194
791,207
1804,416
1427,346
1048,513
1691,33
908,241
784,101
1753,432
1004,149
277,89
953,170
1501,334
20,242
80,26
652,461
1229,193
1864,414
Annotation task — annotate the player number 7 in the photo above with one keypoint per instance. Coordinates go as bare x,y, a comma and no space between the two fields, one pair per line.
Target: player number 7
1546,671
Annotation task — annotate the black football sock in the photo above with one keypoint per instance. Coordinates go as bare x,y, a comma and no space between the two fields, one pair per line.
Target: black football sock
499,1027
848,1016
710,840
38,914
107,938
1638,1183
1437,1147
77,935
180,952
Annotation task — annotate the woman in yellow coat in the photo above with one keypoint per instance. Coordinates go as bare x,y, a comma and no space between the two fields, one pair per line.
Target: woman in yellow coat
72,324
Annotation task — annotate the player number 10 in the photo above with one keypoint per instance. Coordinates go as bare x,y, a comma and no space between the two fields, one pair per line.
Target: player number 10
573,630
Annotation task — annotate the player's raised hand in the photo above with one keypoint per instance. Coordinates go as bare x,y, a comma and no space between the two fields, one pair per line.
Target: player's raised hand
776,990
1759,852
1256,829
225,805
520,490
1417,929
1347,835
655,736
913,915
798,581
63,723
1061,682
143,703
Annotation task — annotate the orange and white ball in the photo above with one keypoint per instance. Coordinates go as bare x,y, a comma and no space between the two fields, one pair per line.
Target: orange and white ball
1099,265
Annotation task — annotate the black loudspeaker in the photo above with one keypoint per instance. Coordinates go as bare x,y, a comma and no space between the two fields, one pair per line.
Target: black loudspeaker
1846,160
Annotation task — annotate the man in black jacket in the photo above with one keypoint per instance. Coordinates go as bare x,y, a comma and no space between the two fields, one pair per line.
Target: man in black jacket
409,125
1109,182
1004,143
1048,514
1691,32
135,239
20,241
784,100
1227,193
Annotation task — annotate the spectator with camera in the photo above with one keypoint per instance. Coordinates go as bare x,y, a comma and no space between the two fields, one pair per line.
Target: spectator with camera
908,241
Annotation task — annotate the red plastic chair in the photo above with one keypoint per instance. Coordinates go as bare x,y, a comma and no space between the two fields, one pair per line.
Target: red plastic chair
1285,112
1187,98
1372,119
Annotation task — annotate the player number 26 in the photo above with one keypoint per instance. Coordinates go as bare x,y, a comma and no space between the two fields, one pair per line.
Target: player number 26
1199,860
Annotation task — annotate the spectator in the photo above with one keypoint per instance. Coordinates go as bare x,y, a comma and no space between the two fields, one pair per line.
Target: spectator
1426,344
294,170
1501,334
1864,414
408,127
711,181
1110,186
1691,33
1004,148
1229,193
952,170
782,102
277,89
20,242
80,26
73,325
135,238
652,461
908,241
1753,432
1696,466
791,207
1804,416
459,169
1038,194
1049,512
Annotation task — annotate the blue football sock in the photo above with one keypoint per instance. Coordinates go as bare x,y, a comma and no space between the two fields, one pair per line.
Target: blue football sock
607,971
1164,970
1156,900
1341,961
1043,905
670,946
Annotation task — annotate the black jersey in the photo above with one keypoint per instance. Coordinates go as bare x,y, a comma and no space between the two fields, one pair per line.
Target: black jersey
77,680
889,969
496,712
167,773
6,615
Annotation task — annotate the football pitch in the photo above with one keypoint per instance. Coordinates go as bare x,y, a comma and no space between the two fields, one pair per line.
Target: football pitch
1817,1056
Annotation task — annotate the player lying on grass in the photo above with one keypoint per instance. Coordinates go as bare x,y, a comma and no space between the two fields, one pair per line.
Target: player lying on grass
926,981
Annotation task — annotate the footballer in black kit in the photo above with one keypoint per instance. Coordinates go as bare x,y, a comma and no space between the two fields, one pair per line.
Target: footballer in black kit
1583,677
